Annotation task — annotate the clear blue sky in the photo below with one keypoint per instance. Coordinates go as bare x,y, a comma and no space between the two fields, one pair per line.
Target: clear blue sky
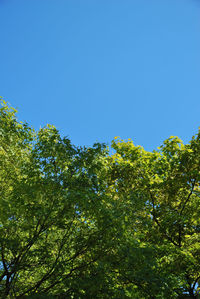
103,68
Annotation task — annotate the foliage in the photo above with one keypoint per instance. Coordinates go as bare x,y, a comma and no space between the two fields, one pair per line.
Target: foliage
161,189
78,222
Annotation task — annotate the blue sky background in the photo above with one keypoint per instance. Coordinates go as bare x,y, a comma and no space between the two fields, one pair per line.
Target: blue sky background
106,68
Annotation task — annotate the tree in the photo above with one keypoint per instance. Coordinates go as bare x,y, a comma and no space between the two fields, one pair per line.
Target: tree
79,222
161,193
55,220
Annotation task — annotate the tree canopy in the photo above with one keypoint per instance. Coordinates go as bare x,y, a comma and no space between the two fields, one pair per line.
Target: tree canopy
82,222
